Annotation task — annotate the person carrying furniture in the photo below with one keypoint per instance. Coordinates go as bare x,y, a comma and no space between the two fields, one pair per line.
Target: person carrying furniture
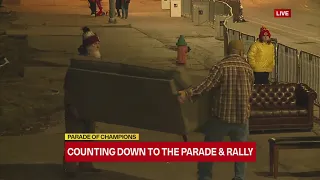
261,56
232,79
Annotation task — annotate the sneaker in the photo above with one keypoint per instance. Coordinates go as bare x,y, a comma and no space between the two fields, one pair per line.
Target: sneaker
93,15
101,13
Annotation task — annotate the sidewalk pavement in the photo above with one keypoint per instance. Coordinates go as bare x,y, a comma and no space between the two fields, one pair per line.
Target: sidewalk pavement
147,17
150,40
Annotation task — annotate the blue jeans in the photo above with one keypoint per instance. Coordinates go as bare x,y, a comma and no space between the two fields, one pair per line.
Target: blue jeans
215,131
125,9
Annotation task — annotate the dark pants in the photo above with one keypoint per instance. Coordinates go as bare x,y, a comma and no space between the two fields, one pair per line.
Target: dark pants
215,131
118,12
75,124
261,78
118,7
93,7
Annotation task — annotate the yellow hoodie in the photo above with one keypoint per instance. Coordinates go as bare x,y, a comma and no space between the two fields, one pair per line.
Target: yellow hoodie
261,57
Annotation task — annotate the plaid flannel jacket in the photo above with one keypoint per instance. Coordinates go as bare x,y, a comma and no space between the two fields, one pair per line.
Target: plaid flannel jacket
233,78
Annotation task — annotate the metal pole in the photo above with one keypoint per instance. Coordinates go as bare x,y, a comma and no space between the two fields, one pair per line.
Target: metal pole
225,40
112,7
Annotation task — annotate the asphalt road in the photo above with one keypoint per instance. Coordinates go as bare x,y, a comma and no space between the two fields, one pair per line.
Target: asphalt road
302,30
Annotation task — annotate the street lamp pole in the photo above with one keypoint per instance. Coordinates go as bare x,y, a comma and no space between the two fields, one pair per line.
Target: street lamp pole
112,7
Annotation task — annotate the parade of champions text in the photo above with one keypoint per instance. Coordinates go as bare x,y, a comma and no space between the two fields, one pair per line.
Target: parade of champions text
172,152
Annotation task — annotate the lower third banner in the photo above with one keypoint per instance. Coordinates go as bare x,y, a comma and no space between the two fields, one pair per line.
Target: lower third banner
95,151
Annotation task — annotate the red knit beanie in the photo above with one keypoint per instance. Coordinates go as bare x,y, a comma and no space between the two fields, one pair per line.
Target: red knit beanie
90,38
263,31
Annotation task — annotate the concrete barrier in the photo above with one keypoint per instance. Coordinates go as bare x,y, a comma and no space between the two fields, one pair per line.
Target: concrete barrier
134,96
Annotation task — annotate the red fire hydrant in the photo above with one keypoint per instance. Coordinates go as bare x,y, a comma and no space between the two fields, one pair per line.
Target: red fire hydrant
182,50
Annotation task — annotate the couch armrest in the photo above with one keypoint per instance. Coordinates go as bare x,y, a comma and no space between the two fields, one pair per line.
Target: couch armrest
305,98
305,95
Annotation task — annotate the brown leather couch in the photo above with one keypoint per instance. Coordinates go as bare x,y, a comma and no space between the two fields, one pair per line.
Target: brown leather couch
282,106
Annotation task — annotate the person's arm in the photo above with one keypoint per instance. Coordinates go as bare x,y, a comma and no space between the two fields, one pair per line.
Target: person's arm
212,80
252,55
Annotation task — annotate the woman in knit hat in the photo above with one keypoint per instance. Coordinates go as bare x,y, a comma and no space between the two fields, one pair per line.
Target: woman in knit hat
90,44
261,57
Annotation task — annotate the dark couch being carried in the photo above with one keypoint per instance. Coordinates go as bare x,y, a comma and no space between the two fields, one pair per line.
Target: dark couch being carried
282,106
134,96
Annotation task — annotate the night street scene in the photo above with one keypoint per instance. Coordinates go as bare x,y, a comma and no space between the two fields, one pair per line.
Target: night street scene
160,71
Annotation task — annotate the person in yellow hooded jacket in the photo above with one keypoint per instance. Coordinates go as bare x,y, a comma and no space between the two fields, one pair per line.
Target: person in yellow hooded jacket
261,57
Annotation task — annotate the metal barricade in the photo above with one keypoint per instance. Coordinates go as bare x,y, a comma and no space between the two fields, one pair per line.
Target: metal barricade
274,75
310,70
221,9
287,64
186,8
233,35
247,40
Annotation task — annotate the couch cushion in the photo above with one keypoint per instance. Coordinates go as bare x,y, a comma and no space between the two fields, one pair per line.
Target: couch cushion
279,112
271,96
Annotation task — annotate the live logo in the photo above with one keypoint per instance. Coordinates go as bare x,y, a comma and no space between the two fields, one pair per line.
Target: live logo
282,13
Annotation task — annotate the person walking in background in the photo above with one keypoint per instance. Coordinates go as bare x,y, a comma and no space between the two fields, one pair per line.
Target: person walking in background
237,10
125,8
233,79
261,57
241,17
101,11
118,7
93,7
